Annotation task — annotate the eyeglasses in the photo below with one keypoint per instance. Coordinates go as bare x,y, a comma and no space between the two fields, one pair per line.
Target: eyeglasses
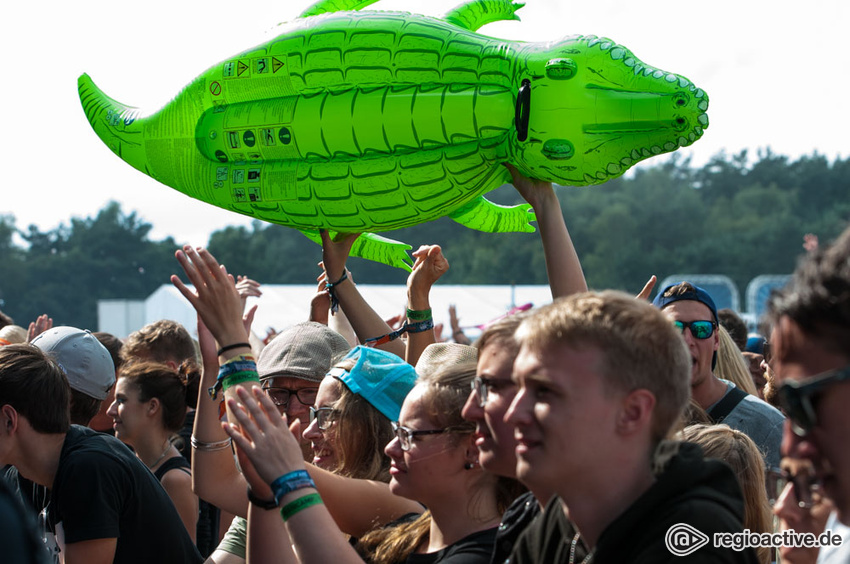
807,489
699,329
324,415
483,386
404,434
798,399
281,396
767,353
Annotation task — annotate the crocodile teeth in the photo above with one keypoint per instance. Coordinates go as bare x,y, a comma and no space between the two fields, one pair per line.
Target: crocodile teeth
626,161
703,120
606,45
699,93
698,130
683,142
656,150
703,105
671,78
613,168
692,137
618,53
683,82
669,146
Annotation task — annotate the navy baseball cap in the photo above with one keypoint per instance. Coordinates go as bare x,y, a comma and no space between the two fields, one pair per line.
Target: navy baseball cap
697,294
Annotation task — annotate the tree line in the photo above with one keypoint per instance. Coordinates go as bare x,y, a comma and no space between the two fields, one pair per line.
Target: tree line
736,215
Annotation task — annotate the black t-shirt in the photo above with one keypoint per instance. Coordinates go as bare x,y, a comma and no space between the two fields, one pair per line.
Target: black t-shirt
548,539
519,515
101,490
471,549
18,537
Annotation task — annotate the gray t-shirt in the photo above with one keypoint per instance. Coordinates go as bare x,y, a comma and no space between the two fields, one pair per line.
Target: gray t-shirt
758,420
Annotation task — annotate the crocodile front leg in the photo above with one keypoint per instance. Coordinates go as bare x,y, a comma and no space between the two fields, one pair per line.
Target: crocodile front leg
483,215
372,247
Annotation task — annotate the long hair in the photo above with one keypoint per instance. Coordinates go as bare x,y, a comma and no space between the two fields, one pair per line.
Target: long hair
446,392
361,432
740,452
731,364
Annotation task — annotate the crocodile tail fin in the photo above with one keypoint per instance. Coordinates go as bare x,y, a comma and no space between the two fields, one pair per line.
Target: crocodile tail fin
119,126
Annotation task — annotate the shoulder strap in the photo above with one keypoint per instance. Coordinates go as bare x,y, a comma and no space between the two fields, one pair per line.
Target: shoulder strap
725,406
177,462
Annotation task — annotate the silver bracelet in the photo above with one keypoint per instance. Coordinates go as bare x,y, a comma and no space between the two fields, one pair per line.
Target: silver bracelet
202,446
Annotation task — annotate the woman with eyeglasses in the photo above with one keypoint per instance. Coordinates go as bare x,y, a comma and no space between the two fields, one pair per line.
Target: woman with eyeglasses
434,461
351,420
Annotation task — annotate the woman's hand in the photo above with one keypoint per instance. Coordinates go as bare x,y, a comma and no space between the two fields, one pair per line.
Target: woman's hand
215,297
335,252
262,435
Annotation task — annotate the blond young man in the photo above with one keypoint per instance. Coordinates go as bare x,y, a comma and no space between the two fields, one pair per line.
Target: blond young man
602,379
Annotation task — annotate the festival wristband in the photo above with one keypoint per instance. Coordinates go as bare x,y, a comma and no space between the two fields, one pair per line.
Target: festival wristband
419,314
291,482
293,507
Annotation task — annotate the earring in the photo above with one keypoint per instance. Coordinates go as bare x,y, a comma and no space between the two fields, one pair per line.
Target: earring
470,465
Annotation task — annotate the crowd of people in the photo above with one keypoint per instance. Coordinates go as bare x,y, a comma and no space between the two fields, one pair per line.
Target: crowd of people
601,427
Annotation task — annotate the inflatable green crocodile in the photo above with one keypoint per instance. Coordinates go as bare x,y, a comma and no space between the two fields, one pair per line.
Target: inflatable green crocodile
362,122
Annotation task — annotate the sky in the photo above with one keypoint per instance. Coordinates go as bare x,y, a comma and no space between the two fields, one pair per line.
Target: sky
775,72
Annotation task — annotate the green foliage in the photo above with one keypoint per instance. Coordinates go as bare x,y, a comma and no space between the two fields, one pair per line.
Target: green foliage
735,216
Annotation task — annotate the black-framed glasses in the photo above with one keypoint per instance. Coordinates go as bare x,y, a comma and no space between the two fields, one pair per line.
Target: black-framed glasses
807,489
281,396
699,329
405,434
324,415
799,399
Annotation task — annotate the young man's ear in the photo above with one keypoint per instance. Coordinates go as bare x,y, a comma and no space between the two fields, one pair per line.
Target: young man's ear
636,412
8,419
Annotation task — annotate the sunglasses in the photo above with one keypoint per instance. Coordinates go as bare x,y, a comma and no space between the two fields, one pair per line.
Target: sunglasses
699,329
799,399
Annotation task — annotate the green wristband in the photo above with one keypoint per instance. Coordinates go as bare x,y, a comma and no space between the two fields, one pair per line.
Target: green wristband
293,507
419,314
237,378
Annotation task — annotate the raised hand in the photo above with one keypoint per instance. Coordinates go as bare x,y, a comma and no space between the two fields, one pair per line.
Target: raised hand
39,326
215,297
262,435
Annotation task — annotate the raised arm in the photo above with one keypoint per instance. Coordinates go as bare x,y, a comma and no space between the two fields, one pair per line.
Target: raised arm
355,505
366,322
562,264
430,265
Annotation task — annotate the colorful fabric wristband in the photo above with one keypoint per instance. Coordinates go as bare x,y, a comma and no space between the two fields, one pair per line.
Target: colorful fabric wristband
417,327
291,482
237,364
293,507
330,287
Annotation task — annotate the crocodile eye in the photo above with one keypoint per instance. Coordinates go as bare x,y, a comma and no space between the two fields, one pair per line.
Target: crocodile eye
680,99
680,124
561,69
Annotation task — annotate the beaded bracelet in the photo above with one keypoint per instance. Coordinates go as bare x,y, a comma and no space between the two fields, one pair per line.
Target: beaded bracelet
293,507
291,482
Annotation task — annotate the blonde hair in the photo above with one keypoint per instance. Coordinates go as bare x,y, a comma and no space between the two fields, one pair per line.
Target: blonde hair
640,348
731,364
740,452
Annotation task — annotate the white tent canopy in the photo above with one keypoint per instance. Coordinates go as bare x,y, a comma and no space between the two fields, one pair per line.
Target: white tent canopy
283,305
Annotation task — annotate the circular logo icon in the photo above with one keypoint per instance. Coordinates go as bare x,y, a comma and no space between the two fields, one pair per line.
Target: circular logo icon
682,539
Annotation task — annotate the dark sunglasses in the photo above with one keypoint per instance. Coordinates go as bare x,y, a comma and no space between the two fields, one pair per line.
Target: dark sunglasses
699,329
798,399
